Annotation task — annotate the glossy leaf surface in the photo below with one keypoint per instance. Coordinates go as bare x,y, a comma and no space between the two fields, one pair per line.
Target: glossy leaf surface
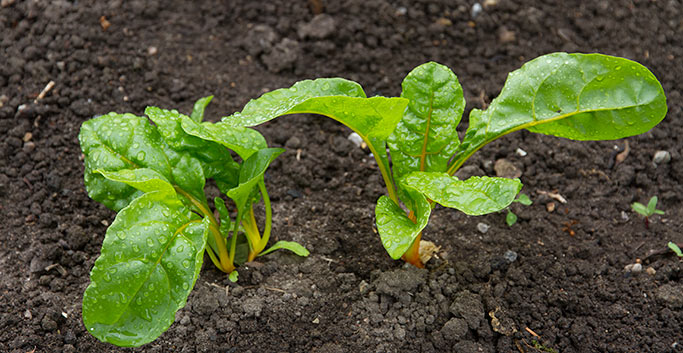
150,260
576,96
396,230
474,196
115,142
425,139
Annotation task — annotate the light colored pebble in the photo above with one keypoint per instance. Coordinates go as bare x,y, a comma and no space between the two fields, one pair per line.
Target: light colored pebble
483,227
661,157
356,139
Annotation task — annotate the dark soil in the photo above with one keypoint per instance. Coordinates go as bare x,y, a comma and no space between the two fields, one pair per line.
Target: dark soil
554,282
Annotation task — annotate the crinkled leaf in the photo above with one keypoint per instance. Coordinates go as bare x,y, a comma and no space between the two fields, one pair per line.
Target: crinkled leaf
425,139
474,196
396,230
373,119
199,107
288,245
576,96
215,159
251,174
114,142
151,257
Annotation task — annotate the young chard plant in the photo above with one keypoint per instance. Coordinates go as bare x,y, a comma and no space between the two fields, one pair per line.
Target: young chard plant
575,96
510,217
647,211
154,177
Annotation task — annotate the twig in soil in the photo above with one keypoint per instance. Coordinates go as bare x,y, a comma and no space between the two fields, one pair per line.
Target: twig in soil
618,156
28,183
552,195
45,90
531,332
657,252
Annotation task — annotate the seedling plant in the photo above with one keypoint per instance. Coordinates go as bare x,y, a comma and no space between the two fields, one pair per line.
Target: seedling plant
575,96
647,211
154,177
510,217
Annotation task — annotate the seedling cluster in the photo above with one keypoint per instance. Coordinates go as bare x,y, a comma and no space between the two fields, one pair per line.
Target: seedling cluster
154,175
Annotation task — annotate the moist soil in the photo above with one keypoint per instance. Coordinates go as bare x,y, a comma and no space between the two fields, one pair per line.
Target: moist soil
553,282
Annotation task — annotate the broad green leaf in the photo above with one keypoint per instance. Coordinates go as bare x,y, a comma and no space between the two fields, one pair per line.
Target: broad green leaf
660,212
151,257
396,230
373,119
288,245
188,174
114,142
251,174
474,196
199,107
143,179
575,96
510,218
425,139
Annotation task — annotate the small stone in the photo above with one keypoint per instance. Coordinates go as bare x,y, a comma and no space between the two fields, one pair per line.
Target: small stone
628,268
520,152
661,157
483,227
507,36
650,271
550,207
356,139
27,137
624,216
151,51
510,256
401,11
505,169
476,10
316,320
637,268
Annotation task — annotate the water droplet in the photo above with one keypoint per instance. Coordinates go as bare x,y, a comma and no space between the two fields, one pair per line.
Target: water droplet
180,249
106,277
186,263
141,155
186,286
618,68
121,235
150,242
138,301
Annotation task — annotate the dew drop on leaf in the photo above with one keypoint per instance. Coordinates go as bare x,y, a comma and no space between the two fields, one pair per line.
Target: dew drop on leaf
141,155
150,242
186,263
186,286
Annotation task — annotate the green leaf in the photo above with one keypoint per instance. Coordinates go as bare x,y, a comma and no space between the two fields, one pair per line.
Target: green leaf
640,209
114,142
523,199
510,218
575,96
675,249
288,245
425,139
251,174
373,119
199,107
474,196
143,179
151,257
396,230
652,205
659,212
